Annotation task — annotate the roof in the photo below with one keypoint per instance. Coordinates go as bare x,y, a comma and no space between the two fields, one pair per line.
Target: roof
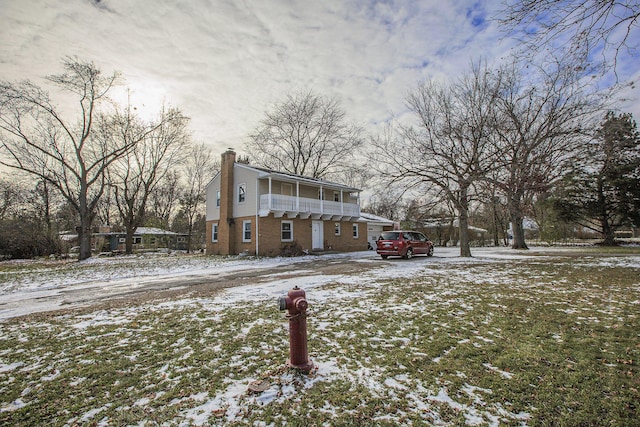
143,231
153,230
371,218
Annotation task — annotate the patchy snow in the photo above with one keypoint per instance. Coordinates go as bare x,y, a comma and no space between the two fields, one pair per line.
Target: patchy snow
507,375
13,406
226,404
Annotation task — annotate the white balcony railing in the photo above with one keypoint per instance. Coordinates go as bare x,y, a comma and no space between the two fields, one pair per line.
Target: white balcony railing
291,205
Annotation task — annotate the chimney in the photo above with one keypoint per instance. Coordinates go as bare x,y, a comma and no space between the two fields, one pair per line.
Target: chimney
226,226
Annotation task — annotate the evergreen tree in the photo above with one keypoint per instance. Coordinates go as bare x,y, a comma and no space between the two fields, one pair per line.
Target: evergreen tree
603,193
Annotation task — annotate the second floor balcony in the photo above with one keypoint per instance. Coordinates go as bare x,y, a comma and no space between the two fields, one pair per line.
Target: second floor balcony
293,206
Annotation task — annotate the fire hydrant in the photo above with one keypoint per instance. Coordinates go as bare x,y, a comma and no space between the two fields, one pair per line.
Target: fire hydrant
296,305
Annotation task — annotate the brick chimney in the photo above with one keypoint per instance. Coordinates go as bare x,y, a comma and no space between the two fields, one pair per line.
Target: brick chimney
226,226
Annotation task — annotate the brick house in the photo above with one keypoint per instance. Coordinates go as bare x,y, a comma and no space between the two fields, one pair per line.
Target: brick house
268,213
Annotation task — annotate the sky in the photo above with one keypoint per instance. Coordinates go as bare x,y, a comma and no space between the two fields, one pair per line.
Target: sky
226,62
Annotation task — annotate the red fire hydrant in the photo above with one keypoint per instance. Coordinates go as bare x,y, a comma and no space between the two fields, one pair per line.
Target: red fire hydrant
296,305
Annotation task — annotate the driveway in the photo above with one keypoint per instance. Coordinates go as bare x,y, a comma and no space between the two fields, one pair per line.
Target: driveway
98,293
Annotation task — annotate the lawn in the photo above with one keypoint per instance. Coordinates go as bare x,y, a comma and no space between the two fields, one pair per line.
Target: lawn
551,339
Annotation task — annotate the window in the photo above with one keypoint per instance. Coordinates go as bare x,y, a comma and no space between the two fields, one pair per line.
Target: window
214,233
137,240
218,198
320,194
246,230
337,228
355,231
242,193
336,196
286,231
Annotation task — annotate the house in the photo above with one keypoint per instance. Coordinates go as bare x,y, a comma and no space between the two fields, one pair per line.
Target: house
144,239
263,212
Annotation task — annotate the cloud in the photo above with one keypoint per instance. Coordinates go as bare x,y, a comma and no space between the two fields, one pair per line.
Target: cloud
224,62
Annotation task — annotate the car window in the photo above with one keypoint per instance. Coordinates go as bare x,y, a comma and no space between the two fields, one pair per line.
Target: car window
390,235
420,236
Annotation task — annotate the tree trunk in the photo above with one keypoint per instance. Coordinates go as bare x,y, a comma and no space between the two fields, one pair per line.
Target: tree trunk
128,240
608,232
518,232
84,238
496,225
463,223
517,219
465,249
189,238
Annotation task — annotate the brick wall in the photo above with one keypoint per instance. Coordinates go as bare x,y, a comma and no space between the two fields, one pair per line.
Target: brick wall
345,242
270,234
271,242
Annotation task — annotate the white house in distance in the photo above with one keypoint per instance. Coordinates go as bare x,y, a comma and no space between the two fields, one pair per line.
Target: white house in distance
264,212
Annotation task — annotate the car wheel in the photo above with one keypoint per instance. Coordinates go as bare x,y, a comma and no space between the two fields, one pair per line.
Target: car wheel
430,253
384,256
409,254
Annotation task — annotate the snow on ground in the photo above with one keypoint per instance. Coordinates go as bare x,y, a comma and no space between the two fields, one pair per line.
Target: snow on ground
24,293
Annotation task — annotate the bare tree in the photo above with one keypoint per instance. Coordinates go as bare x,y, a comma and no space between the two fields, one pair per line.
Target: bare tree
35,138
45,200
106,208
540,121
163,200
494,210
27,228
580,27
450,150
158,147
385,202
11,196
306,134
199,168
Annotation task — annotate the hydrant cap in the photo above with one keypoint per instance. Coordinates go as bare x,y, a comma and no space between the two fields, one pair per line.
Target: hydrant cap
282,302
301,304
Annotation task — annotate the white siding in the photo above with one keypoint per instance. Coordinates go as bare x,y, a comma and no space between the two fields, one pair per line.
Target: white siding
213,211
243,175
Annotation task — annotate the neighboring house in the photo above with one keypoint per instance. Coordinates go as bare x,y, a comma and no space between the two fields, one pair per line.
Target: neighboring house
375,226
259,211
144,239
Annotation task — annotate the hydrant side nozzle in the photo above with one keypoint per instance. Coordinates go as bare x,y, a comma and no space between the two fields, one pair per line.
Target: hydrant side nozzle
282,302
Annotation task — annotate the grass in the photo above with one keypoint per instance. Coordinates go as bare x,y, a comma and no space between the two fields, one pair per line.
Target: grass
537,341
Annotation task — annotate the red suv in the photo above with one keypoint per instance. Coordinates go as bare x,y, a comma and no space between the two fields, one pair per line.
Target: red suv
403,243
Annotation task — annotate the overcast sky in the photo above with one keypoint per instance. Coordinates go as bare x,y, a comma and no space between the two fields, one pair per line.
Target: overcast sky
224,62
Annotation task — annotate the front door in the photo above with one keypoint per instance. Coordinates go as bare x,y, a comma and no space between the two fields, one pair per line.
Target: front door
317,234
